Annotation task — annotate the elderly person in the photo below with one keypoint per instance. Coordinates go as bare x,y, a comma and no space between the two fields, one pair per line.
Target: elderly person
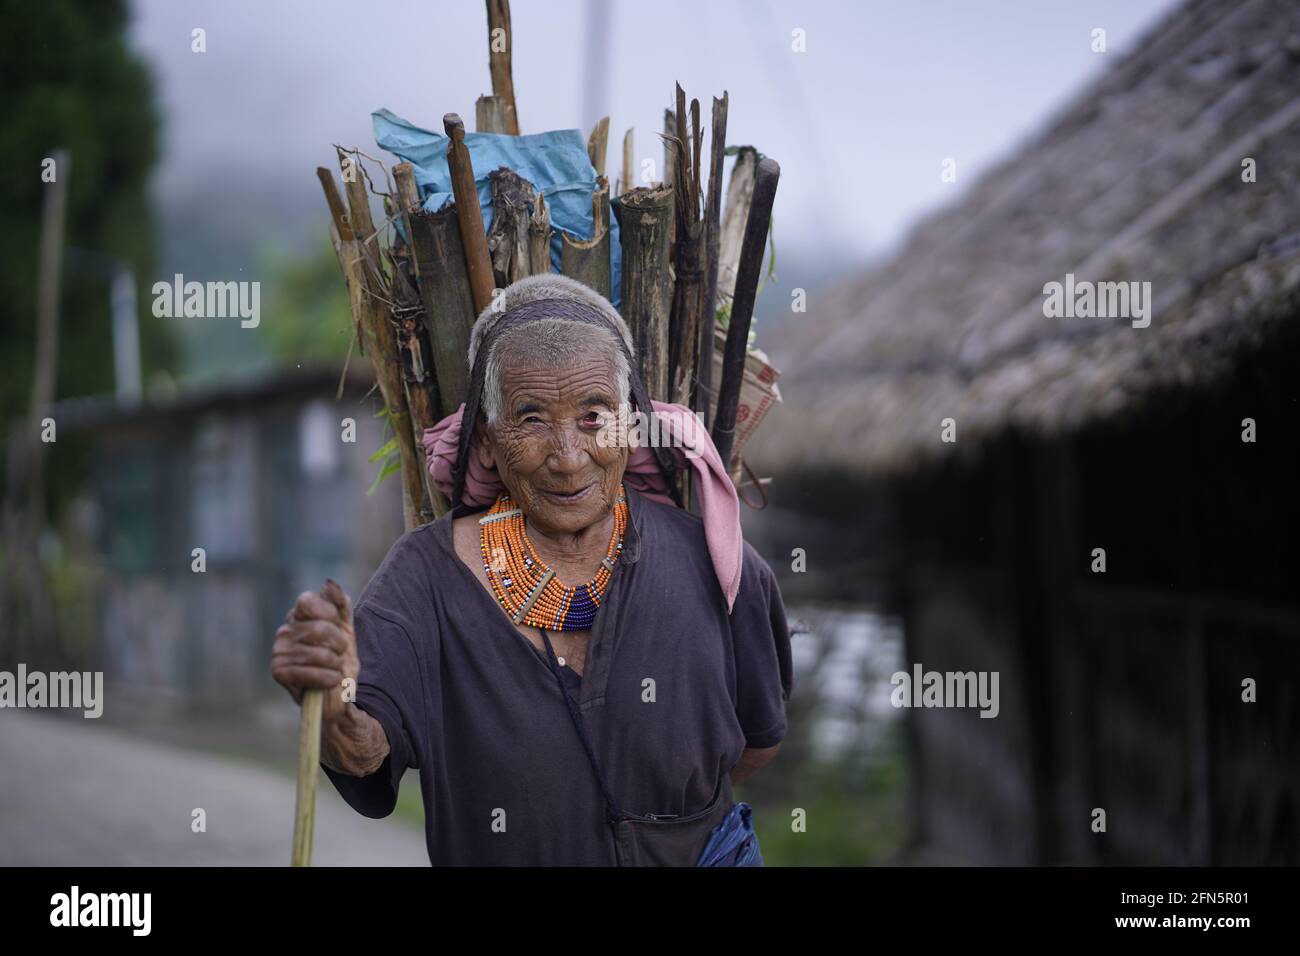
578,670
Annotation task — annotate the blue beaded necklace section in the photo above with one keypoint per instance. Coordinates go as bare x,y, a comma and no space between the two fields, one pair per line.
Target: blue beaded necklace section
525,587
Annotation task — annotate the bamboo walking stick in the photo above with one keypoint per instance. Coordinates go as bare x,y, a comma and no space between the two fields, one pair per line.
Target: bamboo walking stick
304,811
313,701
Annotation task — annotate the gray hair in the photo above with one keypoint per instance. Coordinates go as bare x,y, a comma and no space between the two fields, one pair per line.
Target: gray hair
553,341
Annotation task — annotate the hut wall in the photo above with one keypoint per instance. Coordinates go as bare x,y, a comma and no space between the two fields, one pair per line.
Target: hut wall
1121,690
972,774
276,500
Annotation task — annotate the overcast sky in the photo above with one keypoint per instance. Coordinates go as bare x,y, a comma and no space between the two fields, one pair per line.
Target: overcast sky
860,122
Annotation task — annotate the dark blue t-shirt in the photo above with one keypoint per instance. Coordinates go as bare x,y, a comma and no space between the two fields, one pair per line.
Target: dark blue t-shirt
673,689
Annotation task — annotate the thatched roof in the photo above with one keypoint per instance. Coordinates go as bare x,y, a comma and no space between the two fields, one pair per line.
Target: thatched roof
1138,179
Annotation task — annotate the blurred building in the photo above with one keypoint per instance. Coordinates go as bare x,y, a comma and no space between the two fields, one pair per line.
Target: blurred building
998,447
257,474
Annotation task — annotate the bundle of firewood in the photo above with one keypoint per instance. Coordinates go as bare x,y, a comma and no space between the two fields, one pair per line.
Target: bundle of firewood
415,291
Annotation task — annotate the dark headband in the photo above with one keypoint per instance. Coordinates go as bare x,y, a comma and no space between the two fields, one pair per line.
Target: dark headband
568,310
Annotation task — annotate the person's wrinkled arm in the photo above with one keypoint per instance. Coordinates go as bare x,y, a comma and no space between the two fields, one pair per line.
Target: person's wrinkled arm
752,760
353,743
761,645
316,648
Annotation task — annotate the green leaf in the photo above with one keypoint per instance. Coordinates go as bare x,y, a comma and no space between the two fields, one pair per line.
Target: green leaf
386,449
391,466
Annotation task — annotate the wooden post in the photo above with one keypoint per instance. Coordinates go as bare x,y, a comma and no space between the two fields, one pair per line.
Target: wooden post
28,585
588,260
48,274
468,214
500,44
647,212
742,308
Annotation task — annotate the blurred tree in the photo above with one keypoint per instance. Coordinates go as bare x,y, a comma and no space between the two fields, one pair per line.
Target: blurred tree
68,79
308,318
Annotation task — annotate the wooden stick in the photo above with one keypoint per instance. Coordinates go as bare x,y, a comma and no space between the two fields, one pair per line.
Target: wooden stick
644,220
588,260
696,145
338,211
443,282
468,214
703,401
742,307
418,354
508,239
490,115
688,290
444,289
500,45
539,237
670,150
309,723
740,192
626,182
367,288
684,170
597,144
343,239
304,811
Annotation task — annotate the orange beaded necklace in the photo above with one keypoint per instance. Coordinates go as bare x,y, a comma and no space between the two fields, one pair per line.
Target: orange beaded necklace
525,587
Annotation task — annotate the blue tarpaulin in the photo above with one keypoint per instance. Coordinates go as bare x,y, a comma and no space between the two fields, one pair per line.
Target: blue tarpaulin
556,163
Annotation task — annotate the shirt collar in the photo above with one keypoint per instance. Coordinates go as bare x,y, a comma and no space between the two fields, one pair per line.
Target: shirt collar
632,533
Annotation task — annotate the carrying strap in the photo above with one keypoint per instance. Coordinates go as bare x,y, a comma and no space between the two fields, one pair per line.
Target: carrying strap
612,812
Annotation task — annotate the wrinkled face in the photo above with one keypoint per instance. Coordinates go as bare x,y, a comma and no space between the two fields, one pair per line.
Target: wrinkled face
544,445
